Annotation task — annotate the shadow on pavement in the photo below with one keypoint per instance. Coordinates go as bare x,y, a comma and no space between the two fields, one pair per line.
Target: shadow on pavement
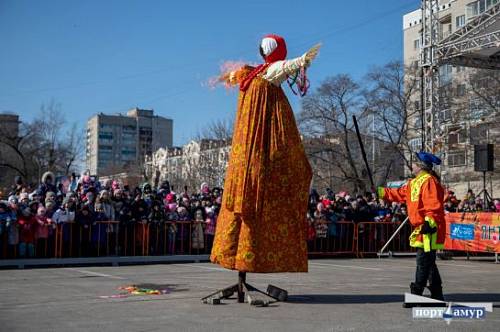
387,298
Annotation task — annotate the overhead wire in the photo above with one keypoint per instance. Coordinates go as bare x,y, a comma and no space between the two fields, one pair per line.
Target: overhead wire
309,38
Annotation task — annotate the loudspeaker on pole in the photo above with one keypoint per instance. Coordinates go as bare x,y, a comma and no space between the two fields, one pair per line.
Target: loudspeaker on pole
483,158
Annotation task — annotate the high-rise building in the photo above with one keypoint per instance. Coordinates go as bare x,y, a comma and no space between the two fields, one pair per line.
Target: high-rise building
466,105
117,141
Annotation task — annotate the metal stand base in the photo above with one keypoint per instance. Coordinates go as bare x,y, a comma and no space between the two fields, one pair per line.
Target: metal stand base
248,293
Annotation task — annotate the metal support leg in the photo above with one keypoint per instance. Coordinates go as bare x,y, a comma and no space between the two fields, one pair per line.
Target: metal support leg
247,292
242,276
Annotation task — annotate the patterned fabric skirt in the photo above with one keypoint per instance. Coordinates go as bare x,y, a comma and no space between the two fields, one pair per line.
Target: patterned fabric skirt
262,223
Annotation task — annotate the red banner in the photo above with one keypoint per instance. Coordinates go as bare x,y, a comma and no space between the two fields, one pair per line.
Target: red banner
474,231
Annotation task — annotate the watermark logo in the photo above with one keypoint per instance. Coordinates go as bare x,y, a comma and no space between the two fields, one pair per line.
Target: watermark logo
448,311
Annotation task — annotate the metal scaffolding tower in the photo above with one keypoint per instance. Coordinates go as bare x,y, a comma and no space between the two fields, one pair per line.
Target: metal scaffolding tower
477,44
429,66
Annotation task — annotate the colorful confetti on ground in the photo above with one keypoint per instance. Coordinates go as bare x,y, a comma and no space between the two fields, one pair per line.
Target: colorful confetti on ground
135,290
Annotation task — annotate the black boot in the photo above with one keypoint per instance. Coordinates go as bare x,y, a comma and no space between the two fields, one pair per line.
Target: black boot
416,290
436,292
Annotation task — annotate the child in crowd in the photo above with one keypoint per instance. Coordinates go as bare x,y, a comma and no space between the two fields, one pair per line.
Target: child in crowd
44,225
27,228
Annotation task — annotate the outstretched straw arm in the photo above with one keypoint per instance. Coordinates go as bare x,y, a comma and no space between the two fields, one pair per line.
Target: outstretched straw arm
312,53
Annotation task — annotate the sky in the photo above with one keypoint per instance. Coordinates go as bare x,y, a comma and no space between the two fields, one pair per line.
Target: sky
109,56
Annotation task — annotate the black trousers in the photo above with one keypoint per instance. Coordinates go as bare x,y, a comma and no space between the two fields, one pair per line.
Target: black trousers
427,269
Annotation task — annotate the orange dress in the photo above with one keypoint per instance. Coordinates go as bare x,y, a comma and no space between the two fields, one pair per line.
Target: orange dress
261,225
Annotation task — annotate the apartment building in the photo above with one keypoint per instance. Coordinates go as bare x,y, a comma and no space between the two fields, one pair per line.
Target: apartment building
117,141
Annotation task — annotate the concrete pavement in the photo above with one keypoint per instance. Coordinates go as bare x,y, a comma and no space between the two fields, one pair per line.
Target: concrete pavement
336,295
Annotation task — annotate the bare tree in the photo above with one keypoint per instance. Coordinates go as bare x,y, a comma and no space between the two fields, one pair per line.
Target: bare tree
325,120
391,97
13,152
72,148
485,86
475,96
42,145
213,160
210,166
221,129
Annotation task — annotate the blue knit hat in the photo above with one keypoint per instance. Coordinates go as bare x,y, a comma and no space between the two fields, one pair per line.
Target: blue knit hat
428,158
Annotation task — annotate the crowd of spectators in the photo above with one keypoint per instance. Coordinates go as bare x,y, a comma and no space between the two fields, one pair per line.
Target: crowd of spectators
29,217
470,203
344,207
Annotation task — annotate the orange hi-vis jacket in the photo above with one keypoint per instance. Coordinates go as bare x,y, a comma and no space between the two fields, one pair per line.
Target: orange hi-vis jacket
424,198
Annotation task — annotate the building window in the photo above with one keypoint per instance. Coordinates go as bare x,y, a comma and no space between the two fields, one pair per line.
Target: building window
108,136
128,154
460,90
106,127
415,144
417,122
490,3
128,151
445,74
102,164
456,159
445,115
129,128
105,155
457,135
416,104
128,138
460,21
105,147
479,134
471,9
416,44
477,7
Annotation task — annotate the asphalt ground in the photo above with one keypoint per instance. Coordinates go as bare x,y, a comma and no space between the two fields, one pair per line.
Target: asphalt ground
336,295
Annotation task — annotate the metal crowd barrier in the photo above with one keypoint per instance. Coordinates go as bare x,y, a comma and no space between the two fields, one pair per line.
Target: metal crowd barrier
111,238
333,238
372,236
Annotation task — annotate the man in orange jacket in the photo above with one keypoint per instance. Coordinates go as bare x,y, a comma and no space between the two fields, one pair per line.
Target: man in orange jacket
424,197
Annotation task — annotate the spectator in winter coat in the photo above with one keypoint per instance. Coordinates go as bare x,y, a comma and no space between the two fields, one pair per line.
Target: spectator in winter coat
12,227
44,224
73,183
27,227
210,222
50,207
18,186
107,205
48,184
156,215
85,218
139,210
64,214
7,218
